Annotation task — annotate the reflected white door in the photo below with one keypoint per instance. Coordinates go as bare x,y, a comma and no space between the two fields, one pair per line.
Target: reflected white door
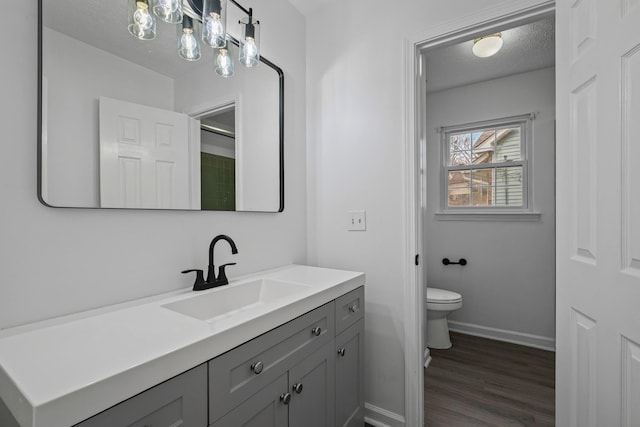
195,164
598,213
144,157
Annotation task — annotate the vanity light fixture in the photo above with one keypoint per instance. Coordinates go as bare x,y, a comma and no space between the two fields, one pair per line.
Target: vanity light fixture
486,46
211,15
188,45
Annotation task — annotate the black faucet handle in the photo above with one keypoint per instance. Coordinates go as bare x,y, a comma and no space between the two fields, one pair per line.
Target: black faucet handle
199,278
222,276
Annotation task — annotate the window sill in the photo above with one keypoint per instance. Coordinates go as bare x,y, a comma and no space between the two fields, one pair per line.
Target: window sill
488,216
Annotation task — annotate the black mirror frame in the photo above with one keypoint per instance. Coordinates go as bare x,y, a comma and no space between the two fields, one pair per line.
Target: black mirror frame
39,128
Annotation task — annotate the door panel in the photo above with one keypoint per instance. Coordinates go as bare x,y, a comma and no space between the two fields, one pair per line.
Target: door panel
598,213
144,157
314,406
263,409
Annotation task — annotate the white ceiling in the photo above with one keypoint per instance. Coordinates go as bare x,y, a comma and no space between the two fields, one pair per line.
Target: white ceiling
526,48
308,7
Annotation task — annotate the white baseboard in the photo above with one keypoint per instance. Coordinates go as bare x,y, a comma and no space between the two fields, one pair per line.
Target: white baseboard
379,417
529,340
426,357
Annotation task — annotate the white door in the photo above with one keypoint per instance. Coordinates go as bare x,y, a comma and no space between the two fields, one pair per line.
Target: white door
598,213
144,157
195,164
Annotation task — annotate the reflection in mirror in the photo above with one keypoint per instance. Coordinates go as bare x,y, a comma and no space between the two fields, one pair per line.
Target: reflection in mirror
127,123
217,160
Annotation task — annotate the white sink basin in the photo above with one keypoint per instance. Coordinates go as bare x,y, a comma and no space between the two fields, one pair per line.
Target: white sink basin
232,299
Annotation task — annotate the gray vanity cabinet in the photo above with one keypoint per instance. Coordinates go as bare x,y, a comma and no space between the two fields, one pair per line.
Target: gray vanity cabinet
312,389
182,400
308,372
263,409
349,344
303,396
350,376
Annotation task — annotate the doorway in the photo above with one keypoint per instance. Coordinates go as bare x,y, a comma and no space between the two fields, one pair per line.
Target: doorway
417,138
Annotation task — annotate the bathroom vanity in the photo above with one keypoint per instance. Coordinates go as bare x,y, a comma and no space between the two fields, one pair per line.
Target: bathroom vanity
279,348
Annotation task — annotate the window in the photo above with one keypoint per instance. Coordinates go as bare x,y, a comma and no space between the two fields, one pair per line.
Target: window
485,166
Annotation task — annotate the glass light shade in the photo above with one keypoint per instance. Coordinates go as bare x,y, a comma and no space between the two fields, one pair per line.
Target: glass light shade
249,51
224,63
214,23
486,46
170,11
142,24
189,39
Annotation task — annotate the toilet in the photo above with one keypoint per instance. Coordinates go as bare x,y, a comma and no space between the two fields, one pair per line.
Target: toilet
439,304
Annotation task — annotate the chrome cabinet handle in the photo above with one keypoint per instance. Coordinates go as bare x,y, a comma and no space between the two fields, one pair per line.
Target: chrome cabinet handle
257,367
297,388
353,308
316,331
285,398
342,351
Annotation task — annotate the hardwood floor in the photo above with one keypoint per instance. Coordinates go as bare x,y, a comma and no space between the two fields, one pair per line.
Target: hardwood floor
481,382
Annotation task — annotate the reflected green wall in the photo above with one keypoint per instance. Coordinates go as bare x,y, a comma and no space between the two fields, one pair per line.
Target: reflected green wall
218,182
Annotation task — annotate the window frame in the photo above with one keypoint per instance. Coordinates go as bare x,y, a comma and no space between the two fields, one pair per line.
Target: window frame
524,122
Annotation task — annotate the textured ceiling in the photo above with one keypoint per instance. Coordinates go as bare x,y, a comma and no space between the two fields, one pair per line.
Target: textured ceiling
526,48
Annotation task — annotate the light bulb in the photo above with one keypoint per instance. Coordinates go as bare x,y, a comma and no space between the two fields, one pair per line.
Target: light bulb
249,56
169,11
213,31
189,48
170,5
224,64
142,25
143,18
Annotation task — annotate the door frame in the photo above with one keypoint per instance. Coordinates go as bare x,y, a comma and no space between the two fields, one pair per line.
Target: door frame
462,28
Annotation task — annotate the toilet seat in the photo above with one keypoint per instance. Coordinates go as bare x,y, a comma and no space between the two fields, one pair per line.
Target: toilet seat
441,296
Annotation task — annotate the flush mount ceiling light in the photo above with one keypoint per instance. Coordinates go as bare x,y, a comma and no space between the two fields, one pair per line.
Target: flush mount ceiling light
486,46
191,16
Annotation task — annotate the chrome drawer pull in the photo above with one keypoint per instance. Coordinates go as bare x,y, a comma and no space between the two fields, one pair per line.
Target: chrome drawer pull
353,308
297,388
316,331
285,398
342,351
257,367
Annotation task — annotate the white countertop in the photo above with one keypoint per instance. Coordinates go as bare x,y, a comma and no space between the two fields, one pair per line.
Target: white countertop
60,372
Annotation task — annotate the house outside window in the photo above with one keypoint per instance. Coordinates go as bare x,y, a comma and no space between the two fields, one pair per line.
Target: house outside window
485,166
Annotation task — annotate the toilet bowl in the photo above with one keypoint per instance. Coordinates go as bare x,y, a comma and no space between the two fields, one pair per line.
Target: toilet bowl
439,304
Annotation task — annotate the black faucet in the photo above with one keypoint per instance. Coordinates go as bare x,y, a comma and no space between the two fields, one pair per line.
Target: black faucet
213,281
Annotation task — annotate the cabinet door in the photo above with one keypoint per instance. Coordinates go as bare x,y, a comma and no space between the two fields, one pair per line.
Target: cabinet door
180,401
263,409
350,376
312,386
233,377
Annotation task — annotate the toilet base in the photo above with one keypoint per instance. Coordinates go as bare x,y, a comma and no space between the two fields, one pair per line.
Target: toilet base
438,333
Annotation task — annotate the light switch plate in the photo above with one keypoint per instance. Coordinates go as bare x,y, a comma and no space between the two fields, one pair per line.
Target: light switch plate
357,221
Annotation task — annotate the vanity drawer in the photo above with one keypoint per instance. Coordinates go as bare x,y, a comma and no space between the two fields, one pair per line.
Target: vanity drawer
178,401
237,374
349,309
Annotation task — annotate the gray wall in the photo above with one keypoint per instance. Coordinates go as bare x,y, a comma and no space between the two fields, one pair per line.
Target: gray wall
509,283
59,261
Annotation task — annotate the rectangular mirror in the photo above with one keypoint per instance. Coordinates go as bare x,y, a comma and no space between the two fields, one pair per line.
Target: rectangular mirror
127,123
